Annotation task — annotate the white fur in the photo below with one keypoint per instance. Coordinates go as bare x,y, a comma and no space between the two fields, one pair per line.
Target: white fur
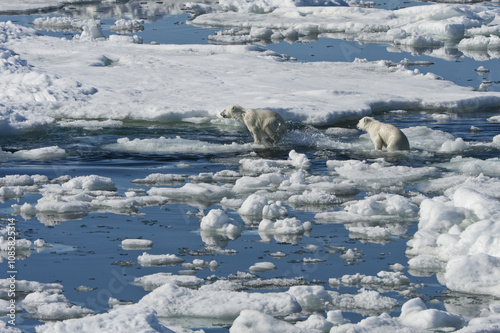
384,135
260,123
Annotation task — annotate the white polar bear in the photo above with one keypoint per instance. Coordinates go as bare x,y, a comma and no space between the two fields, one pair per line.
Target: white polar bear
384,135
260,123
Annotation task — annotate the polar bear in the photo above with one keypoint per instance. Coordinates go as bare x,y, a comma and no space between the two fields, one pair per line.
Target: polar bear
260,123
384,135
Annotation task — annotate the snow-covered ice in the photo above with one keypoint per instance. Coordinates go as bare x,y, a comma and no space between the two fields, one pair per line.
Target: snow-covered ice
437,200
76,86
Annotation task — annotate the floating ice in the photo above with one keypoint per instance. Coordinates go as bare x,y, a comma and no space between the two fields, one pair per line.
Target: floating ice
474,167
62,23
90,183
32,286
216,221
462,274
383,278
136,244
127,26
164,145
158,259
415,313
172,301
260,267
90,124
37,154
268,181
314,198
451,146
295,160
161,179
379,207
258,206
295,85
202,193
421,26
20,244
153,281
250,321
124,318
288,226
425,263
365,301
48,306
380,174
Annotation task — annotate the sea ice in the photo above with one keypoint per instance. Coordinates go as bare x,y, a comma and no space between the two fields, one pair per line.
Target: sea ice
260,267
258,206
250,321
462,274
379,174
172,301
414,313
287,226
153,281
135,244
217,221
61,95
158,259
123,319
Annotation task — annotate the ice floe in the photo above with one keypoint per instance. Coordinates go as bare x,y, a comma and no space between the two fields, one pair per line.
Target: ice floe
147,259
76,88
171,301
114,80
136,244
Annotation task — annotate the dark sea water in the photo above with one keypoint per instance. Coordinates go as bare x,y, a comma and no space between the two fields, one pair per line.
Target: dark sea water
87,248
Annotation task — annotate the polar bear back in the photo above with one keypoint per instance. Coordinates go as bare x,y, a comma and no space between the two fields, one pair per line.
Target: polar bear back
261,123
384,135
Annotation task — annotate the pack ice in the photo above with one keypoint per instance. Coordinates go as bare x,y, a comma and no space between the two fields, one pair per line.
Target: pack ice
455,204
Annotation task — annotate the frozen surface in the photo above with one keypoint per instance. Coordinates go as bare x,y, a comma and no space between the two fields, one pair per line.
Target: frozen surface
123,142
77,87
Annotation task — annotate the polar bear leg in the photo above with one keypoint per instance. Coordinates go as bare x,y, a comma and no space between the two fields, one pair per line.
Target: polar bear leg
256,136
272,134
378,142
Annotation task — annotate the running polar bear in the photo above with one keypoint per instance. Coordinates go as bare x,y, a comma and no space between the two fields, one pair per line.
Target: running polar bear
384,135
260,123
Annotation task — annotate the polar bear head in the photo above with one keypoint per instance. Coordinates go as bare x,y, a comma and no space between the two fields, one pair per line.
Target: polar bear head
233,111
364,122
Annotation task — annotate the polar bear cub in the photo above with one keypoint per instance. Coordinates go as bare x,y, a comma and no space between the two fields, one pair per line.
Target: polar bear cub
262,124
384,135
